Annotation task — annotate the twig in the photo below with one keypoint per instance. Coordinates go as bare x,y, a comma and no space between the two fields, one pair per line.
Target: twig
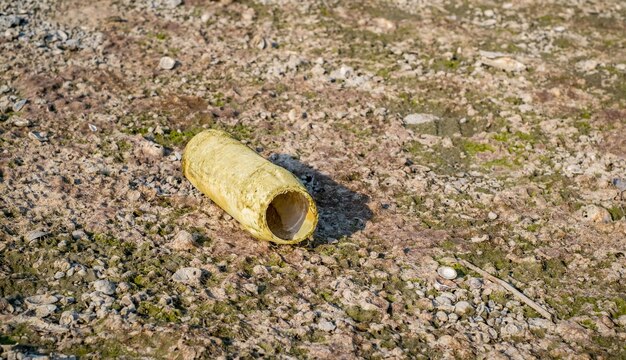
508,287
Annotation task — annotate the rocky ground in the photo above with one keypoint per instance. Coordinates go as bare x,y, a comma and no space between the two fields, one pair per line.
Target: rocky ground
428,131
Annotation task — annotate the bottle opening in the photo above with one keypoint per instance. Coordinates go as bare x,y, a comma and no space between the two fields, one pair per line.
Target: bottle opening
286,215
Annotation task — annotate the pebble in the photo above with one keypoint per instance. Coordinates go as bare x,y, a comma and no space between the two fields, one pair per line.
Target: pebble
20,122
479,239
462,308
173,3
251,288
68,317
105,286
509,330
621,321
167,63
475,283
425,304
596,214
326,325
492,215
182,241
417,119
37,300
34,235
586,65
187,275
505,63
45,310
620,184
19,105
441,316
151,149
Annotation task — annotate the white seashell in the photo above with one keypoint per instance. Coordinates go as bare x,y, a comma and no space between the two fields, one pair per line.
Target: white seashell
447,272
167,63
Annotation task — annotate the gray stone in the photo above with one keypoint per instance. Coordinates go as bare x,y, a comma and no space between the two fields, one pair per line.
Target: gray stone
326,325
105,286
37,300
173,3
182,241
45,310
418,119
187,275
462,308
506,63
68,317
441,316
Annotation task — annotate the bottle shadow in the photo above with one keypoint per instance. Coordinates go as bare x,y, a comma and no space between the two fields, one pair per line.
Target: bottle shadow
342,212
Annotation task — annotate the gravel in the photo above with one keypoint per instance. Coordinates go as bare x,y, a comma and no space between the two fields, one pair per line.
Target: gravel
492,133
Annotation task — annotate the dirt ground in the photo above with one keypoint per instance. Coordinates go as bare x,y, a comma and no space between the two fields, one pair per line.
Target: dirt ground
428,132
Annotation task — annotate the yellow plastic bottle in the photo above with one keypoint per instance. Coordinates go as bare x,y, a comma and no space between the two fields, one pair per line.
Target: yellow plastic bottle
268,201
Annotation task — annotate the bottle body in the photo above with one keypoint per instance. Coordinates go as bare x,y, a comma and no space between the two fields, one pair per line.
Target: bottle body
266,199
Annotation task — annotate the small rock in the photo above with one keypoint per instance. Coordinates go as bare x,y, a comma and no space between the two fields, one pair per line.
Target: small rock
251,288
20,122
19,105
151,149
260,270
45,310
462,308
475,283
492,215
620,184
59,275
510,330
417,119
72,44
167,63
595,214
586,65
182,241
621,321
5,306
68,317
570,331
187,275
173,3
441,316
78,234
539,323
326,325
425,304
37,300
34,235
92,127
105,286
505,63
479,239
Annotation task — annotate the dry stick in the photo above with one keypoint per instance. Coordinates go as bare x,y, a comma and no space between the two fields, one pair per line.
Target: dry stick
507,286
